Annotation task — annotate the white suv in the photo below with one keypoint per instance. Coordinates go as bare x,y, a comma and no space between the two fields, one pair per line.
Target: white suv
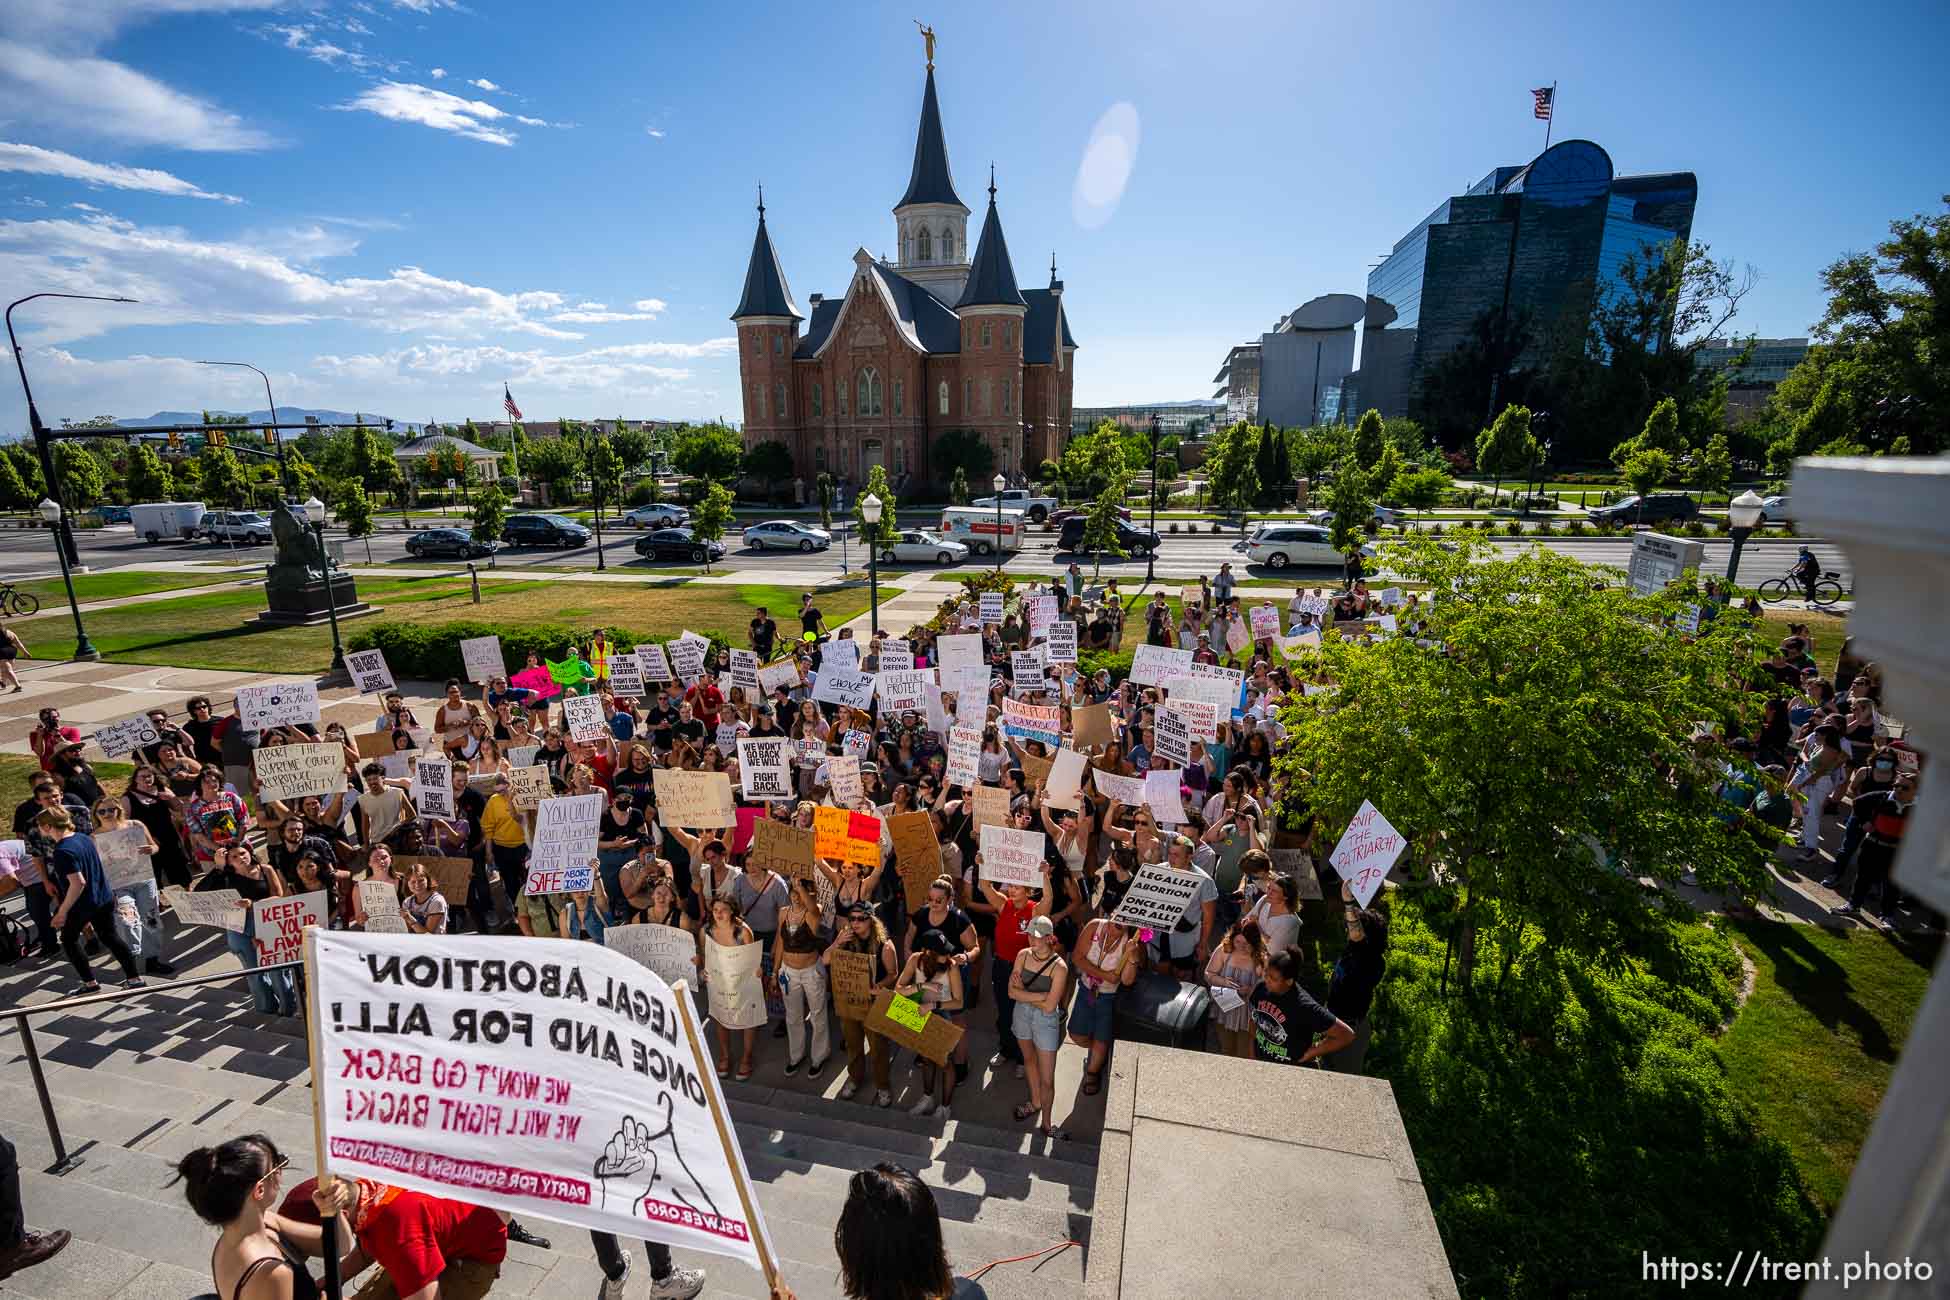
245,526
1280,545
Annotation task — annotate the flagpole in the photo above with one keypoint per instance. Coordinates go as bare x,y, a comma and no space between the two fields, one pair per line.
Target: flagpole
1550,121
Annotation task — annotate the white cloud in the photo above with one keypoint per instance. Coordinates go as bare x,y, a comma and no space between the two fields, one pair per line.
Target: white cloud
356,27
649,304
591,306
425,6
401,101
437,73
306,42
50,162
594,314
634,369
531,121
29,201
108,99
482,83
654,132
179,279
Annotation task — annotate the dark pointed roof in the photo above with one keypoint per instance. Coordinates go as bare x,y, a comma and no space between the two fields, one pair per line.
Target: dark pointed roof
931,181
766,292
1045,328
992,276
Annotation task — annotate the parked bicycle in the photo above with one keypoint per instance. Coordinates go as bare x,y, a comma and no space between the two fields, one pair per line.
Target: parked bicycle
15,601
1828,590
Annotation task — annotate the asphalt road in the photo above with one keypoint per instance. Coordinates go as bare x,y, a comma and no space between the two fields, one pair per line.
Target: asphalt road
29,553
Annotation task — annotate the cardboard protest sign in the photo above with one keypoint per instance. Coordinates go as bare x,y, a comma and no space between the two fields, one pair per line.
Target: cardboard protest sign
1090,725
1193,595
277,704
903,689
565,835
668,950
369,671
958,651
896,657
278,925
1062,645
290,772
737,999
853,989
693,800
784,672
765,767
1290,858
653,663
964,756
625,676
896,1018
451,876
373,744
1161,793
788,850
989,608
585,717
481,658
1012,857
528,786
847,836
378,898
433,787
843,779
1173,736
1034,769
1042,722
126,736
1158,898
744,670
1367,849
123,861
222,908
543,1077
1153,665
990,805
842,686
1266,622
917,854
1063,784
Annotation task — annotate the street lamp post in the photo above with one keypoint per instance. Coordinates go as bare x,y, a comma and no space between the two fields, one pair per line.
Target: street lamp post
42,442
1151,553
870,508
284,469
1743,516
998,483
83,647
315,513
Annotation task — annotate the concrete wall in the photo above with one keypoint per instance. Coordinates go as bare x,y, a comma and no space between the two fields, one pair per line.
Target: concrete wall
1290,365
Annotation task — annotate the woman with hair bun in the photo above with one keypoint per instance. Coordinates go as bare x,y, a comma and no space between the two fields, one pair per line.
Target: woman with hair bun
260,1254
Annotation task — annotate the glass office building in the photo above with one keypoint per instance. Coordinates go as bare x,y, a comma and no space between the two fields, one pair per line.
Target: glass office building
1539,243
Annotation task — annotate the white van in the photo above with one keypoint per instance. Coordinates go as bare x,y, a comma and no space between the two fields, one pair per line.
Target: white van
176,521
975,528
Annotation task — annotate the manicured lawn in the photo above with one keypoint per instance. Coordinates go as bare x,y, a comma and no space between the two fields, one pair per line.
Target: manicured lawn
118,583
1813,1048
17,775
213,630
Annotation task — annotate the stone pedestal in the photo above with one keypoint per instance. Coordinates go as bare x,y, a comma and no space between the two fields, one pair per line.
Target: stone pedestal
305,604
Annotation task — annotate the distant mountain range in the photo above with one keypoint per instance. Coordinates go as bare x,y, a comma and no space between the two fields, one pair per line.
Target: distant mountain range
286,415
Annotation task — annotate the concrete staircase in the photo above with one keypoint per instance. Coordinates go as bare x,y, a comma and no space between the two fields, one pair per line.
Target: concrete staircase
137,1084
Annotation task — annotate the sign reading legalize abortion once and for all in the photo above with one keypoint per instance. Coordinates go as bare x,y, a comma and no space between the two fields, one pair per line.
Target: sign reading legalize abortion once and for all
1158,898
545,1077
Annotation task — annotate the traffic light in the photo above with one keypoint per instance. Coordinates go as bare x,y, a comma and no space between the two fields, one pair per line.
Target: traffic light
271,437
175,441
216,437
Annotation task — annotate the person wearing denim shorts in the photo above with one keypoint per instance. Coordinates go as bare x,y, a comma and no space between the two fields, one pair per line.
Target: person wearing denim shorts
1106,960
1036,985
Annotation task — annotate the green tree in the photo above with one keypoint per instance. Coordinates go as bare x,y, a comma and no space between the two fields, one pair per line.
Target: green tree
1368,438
1048,472
223,476
1100,528
445,462
1312,452
889,527
555,462
712,452
28,467
1645,471
490,513
372,461
1551,765
1231,466
355,512
1382,475
711,515
633,447
1661,433
965,450
958,487
1092,460
1352,502
1506,447
188,476
605,473
13,493
1265,471
823,494
149,477
1713,468
1420,489
1408,438
83,480
770,463
1276,481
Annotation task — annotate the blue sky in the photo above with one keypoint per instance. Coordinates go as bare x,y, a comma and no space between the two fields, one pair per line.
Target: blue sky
394,205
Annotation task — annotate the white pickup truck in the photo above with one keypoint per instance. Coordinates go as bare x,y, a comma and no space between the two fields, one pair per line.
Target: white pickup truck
1034,508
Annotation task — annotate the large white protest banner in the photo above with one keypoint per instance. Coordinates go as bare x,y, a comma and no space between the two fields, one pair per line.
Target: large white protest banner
565,835
123,861
1064,786
903,689
1153,665
481,656
625,675
1173,736
1158,898
1367,849
964,756
1042,722
585,717
369,671
765,767
542,1077
433,787
650,657
665,949
693,800
278,925
962,650
127,736
1062,645
277,704
1012,857
840,686
222,908
290,772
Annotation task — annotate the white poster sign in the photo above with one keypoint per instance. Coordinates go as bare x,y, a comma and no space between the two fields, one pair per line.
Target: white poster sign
1012,857
433,787
1266,622
839,686
903,689
1064,787
896,657
277,704
1174,737
765,767
222,908
290,772
1158,898
127,736
841,652
654,663
964,756
278,925
565,834
1161,793
1062,646
694,800
737,998
369,671
665,949
1201,718
1127,790
481,656
843,778
962,650
990,607
1367,849
625,676
123,861
1042,612
378,898
783,673
744,671
1153,665
687,657
1026,667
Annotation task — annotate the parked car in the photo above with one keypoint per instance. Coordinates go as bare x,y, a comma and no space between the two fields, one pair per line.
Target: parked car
177,521
544,530
1384,515
919,547
677,544
1038,509
112,514
457,542
1137,542
1068,513
786,535
246,526
1775,510
1279,546
1660,507
657,516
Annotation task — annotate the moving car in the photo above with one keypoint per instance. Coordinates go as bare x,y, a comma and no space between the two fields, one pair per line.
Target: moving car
544,530
1279,546
457,542
919,547
979,529
246,526
660,515
1775,510
1657,508
1038,509
786,535
677,544
1067,513
112,514
1137,542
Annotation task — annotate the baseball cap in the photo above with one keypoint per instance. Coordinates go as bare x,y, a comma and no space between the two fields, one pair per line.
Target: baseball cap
1041,927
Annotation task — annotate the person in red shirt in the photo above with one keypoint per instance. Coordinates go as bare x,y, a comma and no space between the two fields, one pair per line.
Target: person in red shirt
429,1247
706,699
47,739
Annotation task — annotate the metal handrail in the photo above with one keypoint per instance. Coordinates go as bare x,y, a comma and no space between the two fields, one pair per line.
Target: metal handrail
63,1161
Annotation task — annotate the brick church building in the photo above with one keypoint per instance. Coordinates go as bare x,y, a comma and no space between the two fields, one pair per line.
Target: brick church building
932,343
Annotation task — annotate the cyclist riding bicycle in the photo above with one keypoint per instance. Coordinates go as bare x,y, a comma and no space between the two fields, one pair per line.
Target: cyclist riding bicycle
1806,572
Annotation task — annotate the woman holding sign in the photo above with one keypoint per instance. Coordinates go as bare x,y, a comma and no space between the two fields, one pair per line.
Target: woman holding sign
151,802
932,978
254,881
136,904
861,932
727,929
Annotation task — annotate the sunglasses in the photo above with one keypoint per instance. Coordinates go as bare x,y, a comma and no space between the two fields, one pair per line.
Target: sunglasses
276,1169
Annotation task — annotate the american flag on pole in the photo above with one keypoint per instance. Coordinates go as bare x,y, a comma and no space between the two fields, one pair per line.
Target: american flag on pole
508,400
1544,95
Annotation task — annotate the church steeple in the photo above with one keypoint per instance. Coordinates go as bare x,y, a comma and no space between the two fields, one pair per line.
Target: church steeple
992,277
930,181
931,221
766,292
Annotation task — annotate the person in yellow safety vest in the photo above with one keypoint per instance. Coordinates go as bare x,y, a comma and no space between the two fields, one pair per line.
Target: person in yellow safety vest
599,658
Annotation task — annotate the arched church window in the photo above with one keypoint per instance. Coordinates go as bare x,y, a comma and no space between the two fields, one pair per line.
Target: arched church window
876,393
778,398
818,399
943,400
927,247
988,334
899,394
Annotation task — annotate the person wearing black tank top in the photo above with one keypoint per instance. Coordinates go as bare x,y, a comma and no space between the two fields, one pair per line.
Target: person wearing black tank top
260,1254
